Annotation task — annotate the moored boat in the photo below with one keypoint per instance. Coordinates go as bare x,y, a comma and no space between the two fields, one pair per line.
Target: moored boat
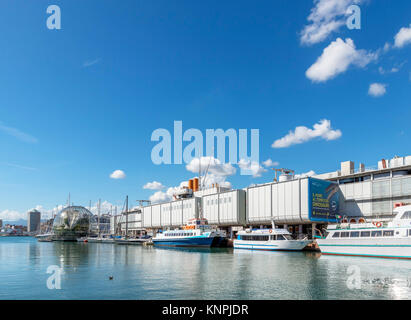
269,240
196,233
389,239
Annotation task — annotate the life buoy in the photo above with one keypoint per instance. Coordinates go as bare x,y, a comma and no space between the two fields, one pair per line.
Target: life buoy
378,224
271,231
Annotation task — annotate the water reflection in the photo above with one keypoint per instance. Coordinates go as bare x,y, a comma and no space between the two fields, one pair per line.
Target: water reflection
191,273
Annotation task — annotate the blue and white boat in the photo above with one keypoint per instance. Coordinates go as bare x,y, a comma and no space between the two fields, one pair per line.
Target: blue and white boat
268,240
196,233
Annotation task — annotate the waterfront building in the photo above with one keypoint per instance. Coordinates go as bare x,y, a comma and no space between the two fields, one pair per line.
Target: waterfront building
303,205
134,226
71,223
33,221
372,192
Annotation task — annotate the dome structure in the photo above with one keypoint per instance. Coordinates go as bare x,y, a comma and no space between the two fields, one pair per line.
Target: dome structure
72,222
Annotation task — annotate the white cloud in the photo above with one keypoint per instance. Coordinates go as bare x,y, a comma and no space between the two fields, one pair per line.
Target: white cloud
12,215
17,134
117,174
305,174
377,89
326,17
155,185
403,37
214,166
211,179
336,58
161,196
270,163
254,167
303,134
89,63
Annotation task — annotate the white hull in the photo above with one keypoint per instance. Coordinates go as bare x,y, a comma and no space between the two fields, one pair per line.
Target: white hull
399,248
272,245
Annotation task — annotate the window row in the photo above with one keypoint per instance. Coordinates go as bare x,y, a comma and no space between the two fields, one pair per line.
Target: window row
365,234
263,238
180,234
178,207
218,201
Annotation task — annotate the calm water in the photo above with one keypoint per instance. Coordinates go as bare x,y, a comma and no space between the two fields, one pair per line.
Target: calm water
153,273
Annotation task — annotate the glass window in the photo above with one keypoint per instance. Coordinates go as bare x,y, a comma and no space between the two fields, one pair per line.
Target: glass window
345,234
365,233
388,233
355,234
336,235
409,232
280,237
376,233
406,215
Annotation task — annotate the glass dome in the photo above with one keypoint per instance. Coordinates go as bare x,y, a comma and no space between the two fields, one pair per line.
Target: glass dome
72,222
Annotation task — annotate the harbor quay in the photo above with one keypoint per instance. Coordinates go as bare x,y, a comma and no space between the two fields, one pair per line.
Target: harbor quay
302,205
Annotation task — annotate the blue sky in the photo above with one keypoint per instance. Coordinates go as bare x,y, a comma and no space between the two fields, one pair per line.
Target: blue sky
83,101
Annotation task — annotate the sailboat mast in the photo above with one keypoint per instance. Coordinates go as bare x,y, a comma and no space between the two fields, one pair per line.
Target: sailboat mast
98,217
126,217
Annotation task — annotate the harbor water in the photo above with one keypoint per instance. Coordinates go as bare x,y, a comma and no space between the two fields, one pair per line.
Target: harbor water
140,272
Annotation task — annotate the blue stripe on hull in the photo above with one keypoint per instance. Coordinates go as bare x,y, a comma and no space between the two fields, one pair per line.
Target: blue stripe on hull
185,242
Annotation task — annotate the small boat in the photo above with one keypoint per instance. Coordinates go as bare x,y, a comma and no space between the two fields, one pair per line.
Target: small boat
44,237
269,240
94,239
135,241
380,239
196,233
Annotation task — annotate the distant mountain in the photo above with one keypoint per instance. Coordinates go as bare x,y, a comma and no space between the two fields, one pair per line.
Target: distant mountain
20,222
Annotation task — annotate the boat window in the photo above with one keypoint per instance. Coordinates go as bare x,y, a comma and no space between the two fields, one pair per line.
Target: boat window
254,238
280,237
376,233
355,234
345,234
409,232
365,233
288,237
336,235
388,233
406,215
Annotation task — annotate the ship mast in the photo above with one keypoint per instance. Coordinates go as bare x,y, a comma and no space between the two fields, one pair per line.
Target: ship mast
126,217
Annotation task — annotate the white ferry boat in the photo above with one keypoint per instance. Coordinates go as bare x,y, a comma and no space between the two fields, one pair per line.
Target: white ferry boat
196,233
268,239
390,239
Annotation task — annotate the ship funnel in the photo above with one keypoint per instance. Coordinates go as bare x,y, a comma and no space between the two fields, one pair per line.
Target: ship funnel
195,184
190,184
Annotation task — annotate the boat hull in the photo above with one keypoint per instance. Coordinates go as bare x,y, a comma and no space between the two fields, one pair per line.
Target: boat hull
272,245
185,242
394,248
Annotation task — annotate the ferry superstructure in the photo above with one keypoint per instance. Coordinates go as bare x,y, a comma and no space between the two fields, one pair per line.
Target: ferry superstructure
196,233
380,239
269,240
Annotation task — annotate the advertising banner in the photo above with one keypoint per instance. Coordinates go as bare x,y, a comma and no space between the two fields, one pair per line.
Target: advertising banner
324,200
